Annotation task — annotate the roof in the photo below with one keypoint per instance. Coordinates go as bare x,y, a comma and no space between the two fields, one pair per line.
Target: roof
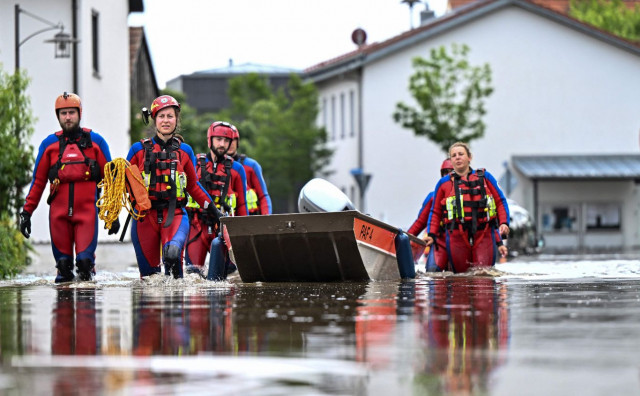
613,166
246,68
457,17
556,5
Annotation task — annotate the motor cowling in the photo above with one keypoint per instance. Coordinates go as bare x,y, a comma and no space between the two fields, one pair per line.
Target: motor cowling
319,195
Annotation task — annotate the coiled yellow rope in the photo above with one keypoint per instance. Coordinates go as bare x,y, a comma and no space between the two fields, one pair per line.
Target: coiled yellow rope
114,192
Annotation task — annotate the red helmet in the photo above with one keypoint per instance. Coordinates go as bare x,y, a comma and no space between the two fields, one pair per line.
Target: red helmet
222,129
69,100
446,167
162,102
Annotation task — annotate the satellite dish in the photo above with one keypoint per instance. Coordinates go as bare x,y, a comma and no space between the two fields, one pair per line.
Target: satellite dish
359,36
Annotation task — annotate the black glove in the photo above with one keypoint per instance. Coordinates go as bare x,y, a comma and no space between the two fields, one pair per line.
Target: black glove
115,227
25,224
214,212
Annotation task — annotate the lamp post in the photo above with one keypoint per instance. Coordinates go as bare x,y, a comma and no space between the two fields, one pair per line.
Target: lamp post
61,40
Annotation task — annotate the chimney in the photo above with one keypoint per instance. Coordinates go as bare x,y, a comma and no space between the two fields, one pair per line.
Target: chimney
426,15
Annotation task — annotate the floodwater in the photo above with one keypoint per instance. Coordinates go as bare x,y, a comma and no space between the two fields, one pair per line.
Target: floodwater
542,325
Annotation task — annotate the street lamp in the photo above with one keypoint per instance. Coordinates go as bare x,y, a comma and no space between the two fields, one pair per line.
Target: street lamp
61,40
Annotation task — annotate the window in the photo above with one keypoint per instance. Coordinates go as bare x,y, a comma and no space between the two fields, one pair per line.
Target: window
352,114
603,216
333,118
95,42
324,112
560,218
342,116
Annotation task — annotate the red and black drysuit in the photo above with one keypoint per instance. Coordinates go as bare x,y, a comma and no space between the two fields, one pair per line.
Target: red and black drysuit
439,243
73,163
470,208
168,169
221,181
255,183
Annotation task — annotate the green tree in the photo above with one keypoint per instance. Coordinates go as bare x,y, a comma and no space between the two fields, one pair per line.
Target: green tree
450,93
288,144
613,16
16,127
278,129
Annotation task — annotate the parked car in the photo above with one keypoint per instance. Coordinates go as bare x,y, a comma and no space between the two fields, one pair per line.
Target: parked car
523,235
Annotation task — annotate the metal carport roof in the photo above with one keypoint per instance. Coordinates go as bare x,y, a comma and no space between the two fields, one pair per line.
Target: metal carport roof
613,166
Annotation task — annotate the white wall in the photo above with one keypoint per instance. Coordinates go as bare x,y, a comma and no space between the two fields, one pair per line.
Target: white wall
345,148
556,91
105,97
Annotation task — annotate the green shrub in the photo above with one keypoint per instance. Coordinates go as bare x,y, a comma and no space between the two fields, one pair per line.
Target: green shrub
14,248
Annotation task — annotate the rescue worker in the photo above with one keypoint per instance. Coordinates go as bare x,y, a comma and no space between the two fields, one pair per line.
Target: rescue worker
258,200
471,207
168,168
73,161
437,256
226,187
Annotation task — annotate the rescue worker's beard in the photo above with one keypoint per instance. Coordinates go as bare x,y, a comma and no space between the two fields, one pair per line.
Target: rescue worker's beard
71,130
220,152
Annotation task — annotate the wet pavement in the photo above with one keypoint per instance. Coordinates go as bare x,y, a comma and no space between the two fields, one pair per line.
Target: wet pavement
541,325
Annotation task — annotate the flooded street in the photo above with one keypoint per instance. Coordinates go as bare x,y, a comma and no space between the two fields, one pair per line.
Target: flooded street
546,325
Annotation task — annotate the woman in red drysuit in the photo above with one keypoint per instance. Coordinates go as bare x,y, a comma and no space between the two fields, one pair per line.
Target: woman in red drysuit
168,168
471,207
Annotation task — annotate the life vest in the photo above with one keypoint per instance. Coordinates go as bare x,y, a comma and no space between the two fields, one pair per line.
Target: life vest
252,196
216,183
252,200
164,177
73,165
469,203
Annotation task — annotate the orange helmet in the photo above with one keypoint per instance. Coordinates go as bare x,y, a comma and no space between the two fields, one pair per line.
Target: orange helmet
446,167
222,129
162,102
68,99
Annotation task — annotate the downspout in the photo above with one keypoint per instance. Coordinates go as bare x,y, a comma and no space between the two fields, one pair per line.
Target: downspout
535,204
360,138
74,33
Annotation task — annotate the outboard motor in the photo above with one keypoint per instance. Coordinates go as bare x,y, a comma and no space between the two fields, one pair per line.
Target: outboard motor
318,195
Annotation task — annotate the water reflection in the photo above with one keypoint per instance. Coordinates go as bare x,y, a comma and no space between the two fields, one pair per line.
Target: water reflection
465,329
73,329
74,332
178,323
447,333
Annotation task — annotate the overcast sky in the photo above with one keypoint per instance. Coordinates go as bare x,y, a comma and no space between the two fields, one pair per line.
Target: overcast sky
190,35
